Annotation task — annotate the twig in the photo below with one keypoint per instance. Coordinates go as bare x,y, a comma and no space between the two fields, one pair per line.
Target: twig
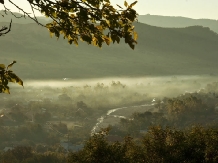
26,14
5,28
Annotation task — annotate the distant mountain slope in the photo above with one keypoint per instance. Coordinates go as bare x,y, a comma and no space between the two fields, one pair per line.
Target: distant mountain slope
178,22
154,20
160,51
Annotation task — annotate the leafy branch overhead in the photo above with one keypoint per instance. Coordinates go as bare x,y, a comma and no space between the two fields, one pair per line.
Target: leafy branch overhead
93,21
6,76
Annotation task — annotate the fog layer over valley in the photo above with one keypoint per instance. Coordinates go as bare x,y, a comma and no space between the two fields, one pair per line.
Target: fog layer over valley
163,86
94,103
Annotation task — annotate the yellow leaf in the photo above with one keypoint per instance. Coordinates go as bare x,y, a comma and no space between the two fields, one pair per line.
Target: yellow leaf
51,34
108,22
13,80
20,82
94,41
49,25
75,42
99,27
2,66
107,40
72,15
135,35
125,4
6,90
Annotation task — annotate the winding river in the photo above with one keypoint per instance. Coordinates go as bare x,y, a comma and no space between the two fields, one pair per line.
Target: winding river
122,112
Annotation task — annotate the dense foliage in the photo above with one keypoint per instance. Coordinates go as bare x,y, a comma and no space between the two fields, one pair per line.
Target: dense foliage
93,21
196,144
159,144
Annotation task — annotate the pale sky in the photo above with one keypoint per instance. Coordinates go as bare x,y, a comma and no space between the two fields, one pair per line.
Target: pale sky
187,8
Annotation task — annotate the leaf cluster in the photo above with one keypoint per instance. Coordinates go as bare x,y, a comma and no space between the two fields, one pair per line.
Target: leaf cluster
6,76
92,21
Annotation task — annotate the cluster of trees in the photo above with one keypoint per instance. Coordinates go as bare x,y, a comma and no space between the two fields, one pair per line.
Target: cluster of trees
188,108
61,127
30,135
139,122
180,112
196,144
23,154
42,117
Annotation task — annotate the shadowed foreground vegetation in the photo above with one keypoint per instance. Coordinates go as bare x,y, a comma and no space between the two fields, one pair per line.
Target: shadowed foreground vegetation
196,144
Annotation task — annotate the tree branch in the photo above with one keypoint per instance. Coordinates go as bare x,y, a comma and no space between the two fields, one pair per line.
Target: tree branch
5,30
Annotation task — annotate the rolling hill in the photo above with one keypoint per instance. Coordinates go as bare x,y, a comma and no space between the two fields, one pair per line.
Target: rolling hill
160,52
177,22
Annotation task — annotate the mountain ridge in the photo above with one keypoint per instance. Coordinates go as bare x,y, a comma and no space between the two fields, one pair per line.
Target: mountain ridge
177,21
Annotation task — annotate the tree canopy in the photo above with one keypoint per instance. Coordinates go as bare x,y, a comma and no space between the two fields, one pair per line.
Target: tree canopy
93,21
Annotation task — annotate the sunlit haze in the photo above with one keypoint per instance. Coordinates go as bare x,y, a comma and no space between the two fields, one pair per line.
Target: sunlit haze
124,91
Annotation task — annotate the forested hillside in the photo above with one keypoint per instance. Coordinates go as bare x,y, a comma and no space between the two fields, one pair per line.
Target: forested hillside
160,51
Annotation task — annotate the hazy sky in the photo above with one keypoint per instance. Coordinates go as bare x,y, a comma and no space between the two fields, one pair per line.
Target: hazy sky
186,8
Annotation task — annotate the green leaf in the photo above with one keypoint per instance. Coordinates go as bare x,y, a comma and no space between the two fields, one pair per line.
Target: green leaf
14,78
57,34
132,46
133,4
